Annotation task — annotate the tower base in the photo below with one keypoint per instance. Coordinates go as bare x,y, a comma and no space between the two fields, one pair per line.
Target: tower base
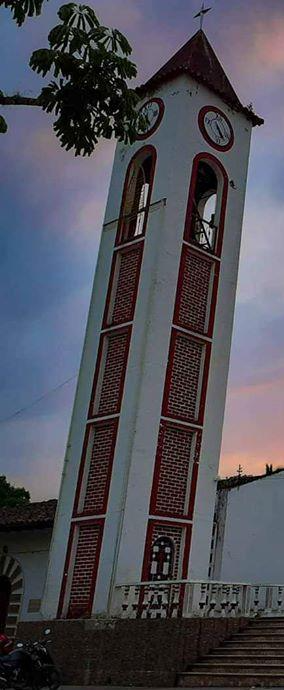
147,653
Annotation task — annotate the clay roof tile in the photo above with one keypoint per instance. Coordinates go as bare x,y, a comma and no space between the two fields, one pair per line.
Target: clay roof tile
197,58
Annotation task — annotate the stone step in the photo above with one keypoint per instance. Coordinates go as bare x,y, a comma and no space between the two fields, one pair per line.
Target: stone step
270,629
256,642
276,620
241,657
238,667
248,651
264,637
230,680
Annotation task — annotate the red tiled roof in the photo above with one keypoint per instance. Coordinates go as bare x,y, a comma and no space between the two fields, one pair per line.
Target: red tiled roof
198,59
29,516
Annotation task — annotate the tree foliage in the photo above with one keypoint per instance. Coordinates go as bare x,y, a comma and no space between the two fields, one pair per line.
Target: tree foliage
90,67
12,495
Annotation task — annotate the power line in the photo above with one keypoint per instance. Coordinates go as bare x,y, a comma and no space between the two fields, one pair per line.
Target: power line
38,400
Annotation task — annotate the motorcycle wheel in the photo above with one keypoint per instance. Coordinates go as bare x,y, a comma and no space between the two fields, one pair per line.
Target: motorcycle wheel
53,679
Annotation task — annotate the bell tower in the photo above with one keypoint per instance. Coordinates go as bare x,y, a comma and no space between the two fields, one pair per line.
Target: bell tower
138,489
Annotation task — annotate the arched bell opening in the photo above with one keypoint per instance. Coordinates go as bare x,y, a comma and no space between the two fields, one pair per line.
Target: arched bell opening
204,223
136,195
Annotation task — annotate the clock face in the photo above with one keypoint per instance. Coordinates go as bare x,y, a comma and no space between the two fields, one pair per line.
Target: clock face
216,128
153,112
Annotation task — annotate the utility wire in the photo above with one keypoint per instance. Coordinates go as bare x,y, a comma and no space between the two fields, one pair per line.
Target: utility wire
38,400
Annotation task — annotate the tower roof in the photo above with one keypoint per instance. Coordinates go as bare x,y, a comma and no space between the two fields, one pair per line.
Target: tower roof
197,58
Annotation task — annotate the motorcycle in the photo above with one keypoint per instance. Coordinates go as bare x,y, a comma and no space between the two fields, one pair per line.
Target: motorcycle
29,667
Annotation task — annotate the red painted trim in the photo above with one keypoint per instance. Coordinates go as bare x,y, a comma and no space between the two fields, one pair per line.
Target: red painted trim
148,543
66,571
100,523
112,287
145,149
117,331
165,406
155,486
201,116
204,156
186,250
96,425
151,131
194,477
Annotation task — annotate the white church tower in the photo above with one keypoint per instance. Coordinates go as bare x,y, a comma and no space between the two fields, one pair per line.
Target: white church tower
138,488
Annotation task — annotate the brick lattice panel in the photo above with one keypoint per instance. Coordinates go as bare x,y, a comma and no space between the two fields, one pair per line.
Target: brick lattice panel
174,451
184,377
124,286
175,534
195,292
84,571
100,451
113,363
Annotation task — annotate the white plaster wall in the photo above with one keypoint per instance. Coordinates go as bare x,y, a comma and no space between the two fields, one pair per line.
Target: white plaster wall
30,548
253,549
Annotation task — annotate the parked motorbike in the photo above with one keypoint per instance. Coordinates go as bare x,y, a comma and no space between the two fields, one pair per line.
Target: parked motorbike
29,667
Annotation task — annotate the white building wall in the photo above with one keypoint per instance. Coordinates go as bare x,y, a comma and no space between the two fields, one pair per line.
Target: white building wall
253,547
30,548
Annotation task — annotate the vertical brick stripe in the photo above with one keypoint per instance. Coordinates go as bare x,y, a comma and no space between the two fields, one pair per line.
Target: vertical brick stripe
100,451
124,286
84,570
184,378
195,292
113,363
174,450
174,533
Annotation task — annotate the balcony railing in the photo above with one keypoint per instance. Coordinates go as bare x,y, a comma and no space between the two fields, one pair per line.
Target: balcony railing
171,599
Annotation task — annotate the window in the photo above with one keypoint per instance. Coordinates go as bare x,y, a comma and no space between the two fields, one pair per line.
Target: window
137,195
162,559
204,226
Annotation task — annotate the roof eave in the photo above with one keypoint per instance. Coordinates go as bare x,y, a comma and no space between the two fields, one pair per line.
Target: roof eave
152,83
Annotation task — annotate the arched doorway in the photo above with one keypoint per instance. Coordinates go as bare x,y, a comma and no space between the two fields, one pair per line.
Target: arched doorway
5,594
11,592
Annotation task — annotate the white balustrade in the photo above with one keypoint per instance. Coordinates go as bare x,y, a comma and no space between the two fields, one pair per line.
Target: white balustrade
210,599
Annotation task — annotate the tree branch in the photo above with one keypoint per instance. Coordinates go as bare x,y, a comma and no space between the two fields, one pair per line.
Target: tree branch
19,100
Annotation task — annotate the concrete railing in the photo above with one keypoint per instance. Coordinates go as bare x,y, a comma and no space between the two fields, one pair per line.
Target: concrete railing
170,599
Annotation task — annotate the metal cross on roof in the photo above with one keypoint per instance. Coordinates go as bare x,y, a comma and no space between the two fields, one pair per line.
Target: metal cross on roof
202,13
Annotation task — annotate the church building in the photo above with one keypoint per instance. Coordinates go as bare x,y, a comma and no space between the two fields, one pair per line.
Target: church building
139,481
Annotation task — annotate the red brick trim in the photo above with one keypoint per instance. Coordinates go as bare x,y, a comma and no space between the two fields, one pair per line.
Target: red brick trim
128,330
98,424
186,249
187,230
68,574
165,406
145,149
188,513
112,287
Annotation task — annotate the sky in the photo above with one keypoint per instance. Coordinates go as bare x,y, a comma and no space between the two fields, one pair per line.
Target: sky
52,207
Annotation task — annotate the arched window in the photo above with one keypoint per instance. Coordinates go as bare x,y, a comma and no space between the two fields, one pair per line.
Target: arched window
204,222
136,195
5,594
162,559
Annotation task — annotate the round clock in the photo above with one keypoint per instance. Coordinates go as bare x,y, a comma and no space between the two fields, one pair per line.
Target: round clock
216,128
153,111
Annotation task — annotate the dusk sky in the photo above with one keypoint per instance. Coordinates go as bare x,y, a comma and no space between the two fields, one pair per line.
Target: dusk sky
52,208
